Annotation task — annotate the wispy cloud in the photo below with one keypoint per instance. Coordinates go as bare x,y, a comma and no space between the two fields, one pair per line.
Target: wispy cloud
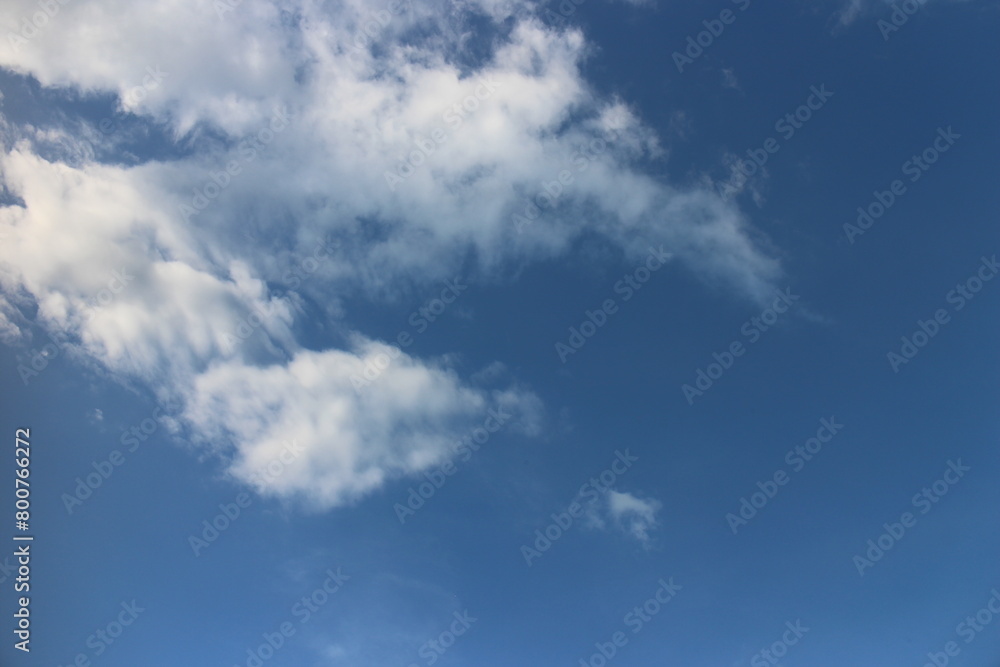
356,115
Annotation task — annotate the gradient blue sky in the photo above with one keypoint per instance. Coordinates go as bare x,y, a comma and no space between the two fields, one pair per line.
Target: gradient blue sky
79,202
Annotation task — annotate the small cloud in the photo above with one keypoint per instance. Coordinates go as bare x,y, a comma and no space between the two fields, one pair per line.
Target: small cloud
680,125
634,515
744,176
95,416
850,12
729,79
489,374
335,652
629,513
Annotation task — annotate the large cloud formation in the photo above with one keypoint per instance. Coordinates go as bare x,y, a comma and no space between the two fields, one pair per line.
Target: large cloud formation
376,145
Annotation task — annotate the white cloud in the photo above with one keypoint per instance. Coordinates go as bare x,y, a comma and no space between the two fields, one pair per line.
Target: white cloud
356,113
623,511
10,332
852,10
729,79
634,515
348,441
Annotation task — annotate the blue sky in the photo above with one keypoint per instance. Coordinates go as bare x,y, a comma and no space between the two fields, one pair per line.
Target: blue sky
481,341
